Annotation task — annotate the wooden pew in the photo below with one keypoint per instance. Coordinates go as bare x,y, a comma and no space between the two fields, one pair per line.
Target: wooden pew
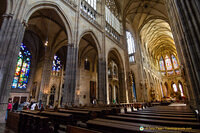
195,125
159,117
13,120
162,114
168,112
106,125
111,126
34,112
75,129
58,119
79,115
30,123
100,112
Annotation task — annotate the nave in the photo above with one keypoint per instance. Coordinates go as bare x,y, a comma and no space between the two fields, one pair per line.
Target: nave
124,118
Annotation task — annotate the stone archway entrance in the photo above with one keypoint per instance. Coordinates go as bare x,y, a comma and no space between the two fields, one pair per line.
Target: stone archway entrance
87,87
115,78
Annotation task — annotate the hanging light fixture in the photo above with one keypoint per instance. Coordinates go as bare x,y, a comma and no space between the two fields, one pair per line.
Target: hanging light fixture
46,42
86,59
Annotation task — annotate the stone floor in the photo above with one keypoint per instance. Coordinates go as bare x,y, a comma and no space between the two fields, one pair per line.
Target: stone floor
3,129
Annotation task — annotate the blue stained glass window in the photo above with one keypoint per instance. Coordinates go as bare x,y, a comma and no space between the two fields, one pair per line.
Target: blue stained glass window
56,63
22,69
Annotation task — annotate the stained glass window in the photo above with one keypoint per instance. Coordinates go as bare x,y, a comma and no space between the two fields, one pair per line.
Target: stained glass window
134,90
22,69
168,63
174,87
131,46
175,63
56,63
181,89
162,65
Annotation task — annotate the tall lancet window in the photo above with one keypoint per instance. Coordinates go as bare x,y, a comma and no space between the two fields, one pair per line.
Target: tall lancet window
175,63
22,69
131,46
181,89
174,87
162,65
168,63
56,63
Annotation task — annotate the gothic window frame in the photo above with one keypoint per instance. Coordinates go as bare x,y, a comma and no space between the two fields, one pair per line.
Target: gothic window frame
22,70
161,59
87,64
174,86
56,65
111,16
172,60
130,46
168,60
181,88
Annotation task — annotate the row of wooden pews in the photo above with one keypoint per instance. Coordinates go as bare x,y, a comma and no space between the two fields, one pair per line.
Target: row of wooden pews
58,120
152,119
123,118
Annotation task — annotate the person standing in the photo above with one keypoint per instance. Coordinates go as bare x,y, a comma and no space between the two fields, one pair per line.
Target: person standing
9,108
15,106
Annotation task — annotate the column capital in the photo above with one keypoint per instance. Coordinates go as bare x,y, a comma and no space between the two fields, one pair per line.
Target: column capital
10,15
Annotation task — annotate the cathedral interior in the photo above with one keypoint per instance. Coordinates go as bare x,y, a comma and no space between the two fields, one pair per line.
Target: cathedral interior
134,61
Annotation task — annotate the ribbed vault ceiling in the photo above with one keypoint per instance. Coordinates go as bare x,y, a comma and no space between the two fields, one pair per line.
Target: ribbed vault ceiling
149,20
157,38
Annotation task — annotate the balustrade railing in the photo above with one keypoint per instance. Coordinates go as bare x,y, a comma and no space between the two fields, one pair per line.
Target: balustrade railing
112,32
89,12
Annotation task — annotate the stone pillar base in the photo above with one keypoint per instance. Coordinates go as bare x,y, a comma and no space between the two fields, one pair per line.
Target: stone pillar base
3,108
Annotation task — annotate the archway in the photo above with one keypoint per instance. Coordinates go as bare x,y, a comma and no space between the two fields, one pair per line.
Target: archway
116,76
87,87
45,34
52,96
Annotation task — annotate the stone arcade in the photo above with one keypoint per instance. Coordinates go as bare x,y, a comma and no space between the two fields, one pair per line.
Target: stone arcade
72,52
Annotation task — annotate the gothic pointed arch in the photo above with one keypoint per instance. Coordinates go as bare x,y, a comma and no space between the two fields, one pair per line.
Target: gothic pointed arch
59,11
115,58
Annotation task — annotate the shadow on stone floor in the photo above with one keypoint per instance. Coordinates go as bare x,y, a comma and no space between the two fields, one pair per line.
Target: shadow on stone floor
3,129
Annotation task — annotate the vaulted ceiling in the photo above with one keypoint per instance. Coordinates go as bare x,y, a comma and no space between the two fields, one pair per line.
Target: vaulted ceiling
149,20
47,24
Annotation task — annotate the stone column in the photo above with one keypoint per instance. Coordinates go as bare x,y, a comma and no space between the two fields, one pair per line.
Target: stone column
11,35
70,75
60,87
184,19
122,90
102,95
46,74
